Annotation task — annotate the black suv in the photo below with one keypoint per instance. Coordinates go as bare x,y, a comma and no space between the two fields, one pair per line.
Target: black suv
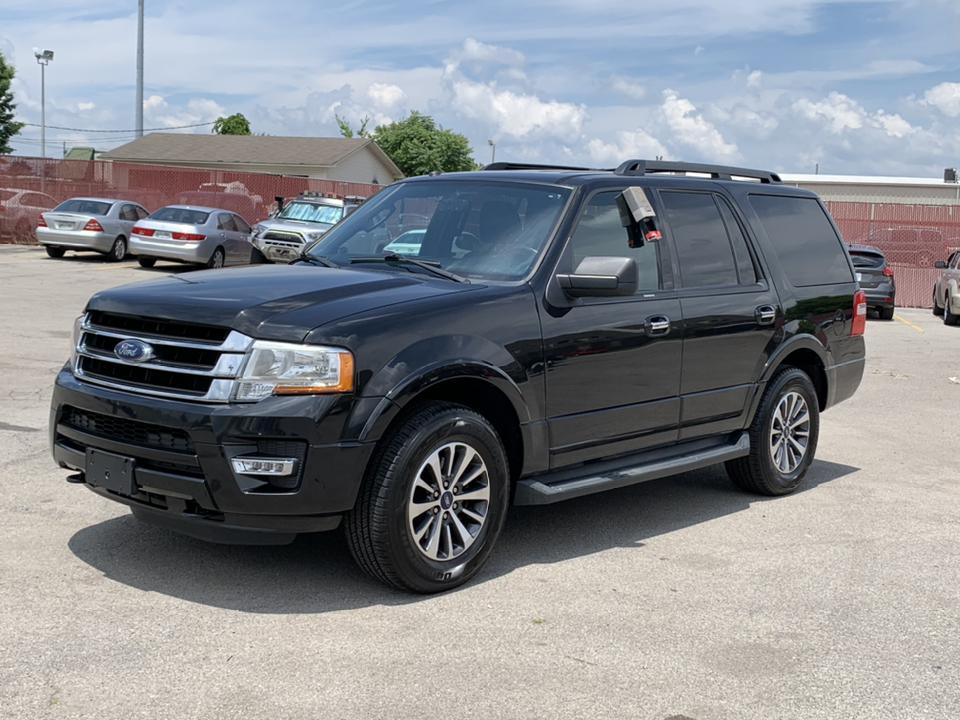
548,333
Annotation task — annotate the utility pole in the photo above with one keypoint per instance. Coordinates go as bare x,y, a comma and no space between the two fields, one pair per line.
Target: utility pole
493,151
140,69
43,59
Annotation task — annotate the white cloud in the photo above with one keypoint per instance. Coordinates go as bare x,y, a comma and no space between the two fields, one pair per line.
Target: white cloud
386,95
85,106
154,102
892,124
945,97
629,143
516,114
838,110
477,51
628,87
754,79
692,129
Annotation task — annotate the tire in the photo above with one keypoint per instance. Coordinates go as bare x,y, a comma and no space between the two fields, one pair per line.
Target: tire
55,252
380,529
217,259
886,313
758,472
147,262
949,317
119,250
258,258
937,310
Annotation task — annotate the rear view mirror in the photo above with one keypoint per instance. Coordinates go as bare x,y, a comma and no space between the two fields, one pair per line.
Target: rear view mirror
940,265
601,277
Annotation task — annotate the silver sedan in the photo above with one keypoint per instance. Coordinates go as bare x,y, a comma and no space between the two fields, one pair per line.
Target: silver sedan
99,224
197,235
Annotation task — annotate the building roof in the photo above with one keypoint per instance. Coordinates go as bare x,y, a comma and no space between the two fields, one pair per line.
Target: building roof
183,148
862,180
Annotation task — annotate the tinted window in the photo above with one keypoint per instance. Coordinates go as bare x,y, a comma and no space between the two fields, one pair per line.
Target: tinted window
863,259
141,213
745,267
600,233
703,248
129,212
180,215
225,222
36,200
802,236
241,224
87,207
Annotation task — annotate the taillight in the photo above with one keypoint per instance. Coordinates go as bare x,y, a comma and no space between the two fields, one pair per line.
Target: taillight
859,313
888,271
93,226
40,221
191,237
146,232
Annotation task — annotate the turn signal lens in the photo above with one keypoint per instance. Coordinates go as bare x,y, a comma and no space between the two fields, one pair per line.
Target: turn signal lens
888,271
145,232
41,222
93,226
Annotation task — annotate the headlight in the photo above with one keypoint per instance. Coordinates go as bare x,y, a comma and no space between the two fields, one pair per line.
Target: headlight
257,229
314,235
274,368
77,333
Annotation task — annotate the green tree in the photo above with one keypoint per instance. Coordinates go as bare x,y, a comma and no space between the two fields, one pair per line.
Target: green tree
419,146
348,131
8,126
235,124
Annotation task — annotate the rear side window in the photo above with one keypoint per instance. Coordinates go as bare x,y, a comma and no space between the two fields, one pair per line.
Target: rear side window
866,259
701,241
801,234
225,222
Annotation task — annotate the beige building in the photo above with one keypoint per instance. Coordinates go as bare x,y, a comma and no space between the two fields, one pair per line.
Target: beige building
357,160
878,189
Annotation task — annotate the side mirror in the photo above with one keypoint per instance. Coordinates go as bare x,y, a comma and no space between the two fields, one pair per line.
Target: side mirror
601,277
940,265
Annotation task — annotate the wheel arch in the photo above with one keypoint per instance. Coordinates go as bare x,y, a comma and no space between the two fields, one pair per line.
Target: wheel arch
804,353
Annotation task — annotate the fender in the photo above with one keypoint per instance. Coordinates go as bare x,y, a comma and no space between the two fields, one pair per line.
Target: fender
451,357
801,341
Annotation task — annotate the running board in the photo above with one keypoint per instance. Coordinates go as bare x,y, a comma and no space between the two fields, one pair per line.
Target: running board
555,487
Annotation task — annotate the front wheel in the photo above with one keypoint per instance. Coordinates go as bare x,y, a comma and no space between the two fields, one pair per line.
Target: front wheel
949,317
937,310
119,250
433,502
783,436
216,260
55,252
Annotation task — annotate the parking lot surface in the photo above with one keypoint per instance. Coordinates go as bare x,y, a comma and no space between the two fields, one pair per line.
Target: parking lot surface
678,598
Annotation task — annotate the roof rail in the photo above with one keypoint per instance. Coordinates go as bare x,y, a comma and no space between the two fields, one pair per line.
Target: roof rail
717,172
531,166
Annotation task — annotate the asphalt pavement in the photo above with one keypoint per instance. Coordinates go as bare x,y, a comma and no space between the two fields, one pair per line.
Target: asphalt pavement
678,598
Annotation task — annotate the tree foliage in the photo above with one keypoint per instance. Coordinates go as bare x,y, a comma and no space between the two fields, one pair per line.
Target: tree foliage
8,126
419,146
235,124
348,131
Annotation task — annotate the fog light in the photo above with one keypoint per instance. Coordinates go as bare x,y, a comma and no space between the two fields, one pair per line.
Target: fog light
276,467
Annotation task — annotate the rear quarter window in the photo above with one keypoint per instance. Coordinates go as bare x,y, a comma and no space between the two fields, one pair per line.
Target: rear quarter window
801,234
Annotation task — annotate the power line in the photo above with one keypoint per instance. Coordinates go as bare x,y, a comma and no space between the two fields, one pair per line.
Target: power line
127,132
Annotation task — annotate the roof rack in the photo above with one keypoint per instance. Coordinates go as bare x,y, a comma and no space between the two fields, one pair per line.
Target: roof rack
532,166
717,172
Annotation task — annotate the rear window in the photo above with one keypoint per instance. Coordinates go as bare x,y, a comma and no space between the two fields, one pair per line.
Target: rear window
6,194
810,250
181,215
866,259
88,207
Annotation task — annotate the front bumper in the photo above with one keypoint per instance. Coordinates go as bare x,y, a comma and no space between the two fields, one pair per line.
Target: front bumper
81,239
180,250
183,478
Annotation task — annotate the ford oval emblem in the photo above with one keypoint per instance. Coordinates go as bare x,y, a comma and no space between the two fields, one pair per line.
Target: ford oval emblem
134,351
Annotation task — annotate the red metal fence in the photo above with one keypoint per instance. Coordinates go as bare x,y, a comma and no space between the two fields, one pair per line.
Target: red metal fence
29,186
912,237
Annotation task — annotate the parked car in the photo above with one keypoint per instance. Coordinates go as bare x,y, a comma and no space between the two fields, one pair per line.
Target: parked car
876,279
19,210
595,329
946,291
99,224
300,222
198,235
918,246
237,203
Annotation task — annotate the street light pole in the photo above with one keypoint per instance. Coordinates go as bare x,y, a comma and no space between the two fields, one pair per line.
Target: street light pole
43,59
139,115
493,151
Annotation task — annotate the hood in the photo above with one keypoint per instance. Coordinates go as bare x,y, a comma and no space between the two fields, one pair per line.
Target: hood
270,302
301,227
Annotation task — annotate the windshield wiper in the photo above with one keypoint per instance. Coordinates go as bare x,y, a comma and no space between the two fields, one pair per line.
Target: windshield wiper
433,268
316,260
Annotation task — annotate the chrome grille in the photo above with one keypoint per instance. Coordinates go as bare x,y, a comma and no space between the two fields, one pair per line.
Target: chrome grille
286,239
189,362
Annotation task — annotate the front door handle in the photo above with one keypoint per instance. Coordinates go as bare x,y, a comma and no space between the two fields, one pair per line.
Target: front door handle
765,314
658,325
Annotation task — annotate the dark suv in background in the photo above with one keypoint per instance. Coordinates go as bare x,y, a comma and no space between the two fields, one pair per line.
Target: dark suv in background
553,332
876,279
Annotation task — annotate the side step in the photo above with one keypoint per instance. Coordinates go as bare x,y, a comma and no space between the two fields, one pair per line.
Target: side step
608,475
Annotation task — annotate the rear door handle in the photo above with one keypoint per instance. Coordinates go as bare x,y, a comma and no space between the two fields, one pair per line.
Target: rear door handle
658,325
765,314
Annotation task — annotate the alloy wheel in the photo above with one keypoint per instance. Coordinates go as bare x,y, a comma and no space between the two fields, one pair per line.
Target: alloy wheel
790,432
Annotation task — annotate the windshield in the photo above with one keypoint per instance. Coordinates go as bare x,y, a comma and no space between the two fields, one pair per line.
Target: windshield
311,212
482,229
90,207
181,215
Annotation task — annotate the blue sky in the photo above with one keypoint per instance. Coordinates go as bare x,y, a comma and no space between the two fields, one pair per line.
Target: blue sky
858,86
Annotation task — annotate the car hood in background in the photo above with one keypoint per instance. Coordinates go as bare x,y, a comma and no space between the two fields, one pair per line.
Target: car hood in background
273,302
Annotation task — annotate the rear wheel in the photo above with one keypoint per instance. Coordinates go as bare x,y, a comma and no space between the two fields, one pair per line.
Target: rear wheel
886,313
433,502
783,436
146,262
216,260
949,317
119,250
55,252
